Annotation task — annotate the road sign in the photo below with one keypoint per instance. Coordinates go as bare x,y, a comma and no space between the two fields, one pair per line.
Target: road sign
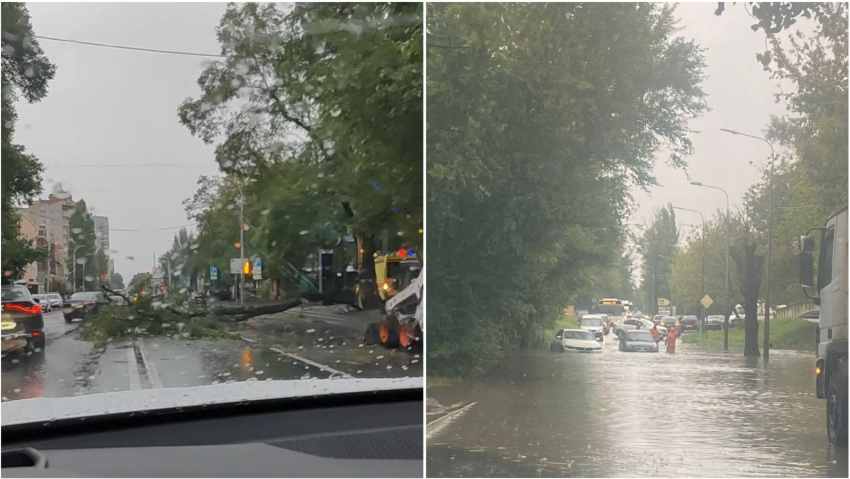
707,301
258,268
663,302
235,266
213,273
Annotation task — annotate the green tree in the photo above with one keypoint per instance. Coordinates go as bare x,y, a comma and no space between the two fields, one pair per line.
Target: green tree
657,248
325,101
540,119
116,281
26,72
82,241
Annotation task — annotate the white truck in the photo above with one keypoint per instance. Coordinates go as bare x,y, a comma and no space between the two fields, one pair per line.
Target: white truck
830,292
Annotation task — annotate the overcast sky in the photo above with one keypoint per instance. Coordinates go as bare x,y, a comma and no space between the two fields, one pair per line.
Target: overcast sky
117,107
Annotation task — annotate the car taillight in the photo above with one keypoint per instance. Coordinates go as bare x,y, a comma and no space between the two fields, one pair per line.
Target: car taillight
36,334
90,304
17,307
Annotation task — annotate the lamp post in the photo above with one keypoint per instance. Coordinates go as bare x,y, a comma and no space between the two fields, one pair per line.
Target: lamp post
766,346
74,285
726,291
241,244
703,260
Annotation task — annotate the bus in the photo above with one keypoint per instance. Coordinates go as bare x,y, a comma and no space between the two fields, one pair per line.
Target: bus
615,309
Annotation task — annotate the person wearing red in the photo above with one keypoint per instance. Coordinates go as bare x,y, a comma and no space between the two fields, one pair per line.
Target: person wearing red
671,340
655,333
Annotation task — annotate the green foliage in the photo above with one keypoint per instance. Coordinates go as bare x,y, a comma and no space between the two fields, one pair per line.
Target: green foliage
116,281
317,113
90,262
26,72
785,333
657,248
773,17
540,119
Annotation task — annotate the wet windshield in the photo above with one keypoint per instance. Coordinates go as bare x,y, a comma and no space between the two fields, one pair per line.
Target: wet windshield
639,336
578,335
218,179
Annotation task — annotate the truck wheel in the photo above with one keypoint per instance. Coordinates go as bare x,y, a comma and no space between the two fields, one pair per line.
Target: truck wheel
388,335
836,405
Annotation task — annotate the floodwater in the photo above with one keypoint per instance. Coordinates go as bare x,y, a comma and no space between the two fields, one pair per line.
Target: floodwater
615,414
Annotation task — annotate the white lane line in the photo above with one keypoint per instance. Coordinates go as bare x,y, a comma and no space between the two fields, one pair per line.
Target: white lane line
133,369
149,367
437,425
312,363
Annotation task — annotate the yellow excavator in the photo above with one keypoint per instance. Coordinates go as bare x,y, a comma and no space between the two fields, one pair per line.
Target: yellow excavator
399,291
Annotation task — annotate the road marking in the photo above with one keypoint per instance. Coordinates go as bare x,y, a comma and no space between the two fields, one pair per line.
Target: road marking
312,363
133,369
437,425
149,367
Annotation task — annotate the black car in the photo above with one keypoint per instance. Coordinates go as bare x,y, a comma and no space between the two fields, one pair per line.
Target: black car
22,322
669,322
82,304
638,341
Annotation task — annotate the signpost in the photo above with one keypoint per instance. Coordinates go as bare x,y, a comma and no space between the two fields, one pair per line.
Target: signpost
213,273
258,269
706,301
235,265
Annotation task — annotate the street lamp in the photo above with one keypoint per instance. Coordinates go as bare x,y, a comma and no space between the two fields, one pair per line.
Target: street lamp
241,243
726,293
74,285
703,260
769,241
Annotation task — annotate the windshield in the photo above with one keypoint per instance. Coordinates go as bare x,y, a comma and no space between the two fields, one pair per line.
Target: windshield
578,335
639,336
591,322
84,297
715,316
208,185
610,310
15,293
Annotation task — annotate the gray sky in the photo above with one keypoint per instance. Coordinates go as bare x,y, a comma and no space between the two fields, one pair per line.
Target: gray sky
740,95
119,107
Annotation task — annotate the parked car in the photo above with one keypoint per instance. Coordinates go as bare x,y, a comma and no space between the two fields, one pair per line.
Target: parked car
43,302
22,321
689,322
575,340
56,301
593,324
81,305
669,322
631,324
714,322
638,341
657,318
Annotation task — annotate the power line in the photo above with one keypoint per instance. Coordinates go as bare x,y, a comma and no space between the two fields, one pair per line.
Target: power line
123,47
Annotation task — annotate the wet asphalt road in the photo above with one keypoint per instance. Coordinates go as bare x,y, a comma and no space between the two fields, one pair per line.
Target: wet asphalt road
616,414
318,343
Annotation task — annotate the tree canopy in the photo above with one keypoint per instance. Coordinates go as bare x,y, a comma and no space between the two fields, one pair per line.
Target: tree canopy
541,117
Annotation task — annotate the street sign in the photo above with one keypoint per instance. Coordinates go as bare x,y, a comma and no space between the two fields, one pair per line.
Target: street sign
663,302
258,268
213,273
707,301
235,266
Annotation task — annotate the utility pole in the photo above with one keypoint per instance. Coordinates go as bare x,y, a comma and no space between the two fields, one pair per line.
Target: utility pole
241,246
766,346
703,261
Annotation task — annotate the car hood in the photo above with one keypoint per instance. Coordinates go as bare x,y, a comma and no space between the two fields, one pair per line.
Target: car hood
40,410
582,343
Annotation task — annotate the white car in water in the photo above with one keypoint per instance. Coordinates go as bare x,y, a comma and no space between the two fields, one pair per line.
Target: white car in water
575,341
592,323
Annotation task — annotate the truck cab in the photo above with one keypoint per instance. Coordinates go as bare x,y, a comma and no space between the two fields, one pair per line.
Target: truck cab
828,289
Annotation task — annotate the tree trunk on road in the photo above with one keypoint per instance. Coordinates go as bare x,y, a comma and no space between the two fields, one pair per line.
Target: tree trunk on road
749,268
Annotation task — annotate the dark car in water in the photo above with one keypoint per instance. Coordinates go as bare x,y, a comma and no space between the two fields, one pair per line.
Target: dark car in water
81,305
22,322
689,322
638,341
669,322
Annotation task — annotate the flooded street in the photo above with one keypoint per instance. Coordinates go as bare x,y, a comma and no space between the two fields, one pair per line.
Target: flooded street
616,414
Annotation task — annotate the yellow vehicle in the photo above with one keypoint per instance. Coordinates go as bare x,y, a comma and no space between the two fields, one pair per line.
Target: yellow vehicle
393,273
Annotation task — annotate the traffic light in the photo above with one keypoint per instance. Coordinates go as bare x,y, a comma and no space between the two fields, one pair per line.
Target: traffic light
148,271
102,277
246,267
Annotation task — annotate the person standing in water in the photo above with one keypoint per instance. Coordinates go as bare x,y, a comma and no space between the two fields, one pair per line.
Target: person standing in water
671,339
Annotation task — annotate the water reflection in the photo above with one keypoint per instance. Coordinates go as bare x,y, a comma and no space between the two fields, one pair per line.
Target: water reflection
690,414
